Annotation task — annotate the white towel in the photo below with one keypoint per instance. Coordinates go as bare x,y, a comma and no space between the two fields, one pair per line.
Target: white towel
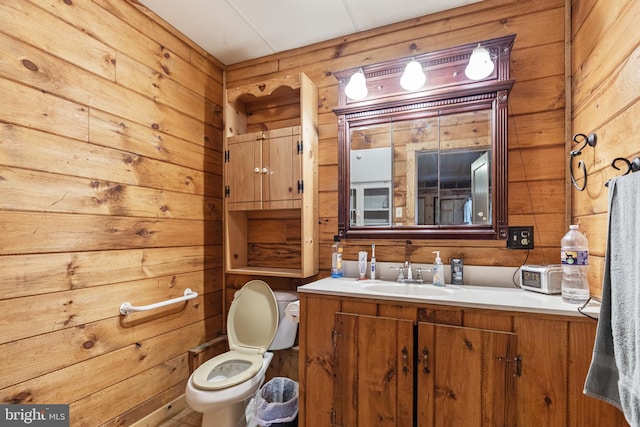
614,374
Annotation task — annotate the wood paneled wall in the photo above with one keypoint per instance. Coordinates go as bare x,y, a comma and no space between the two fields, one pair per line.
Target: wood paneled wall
537,193
110,176
110,191
606,95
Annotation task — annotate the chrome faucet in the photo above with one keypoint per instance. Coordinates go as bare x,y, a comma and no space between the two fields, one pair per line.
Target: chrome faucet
407,267
408,277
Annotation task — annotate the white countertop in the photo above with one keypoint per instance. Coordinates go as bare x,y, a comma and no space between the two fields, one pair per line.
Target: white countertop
485,297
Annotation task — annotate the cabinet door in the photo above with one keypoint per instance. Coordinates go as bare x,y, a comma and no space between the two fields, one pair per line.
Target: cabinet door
373,371
465,377
244,171
370,204
282,164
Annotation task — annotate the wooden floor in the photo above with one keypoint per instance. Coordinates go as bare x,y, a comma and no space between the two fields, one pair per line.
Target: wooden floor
185,418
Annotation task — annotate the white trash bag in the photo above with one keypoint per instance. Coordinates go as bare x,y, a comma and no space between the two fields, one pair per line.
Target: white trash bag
277,402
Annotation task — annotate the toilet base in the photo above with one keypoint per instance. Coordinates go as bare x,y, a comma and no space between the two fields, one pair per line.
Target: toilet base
237,415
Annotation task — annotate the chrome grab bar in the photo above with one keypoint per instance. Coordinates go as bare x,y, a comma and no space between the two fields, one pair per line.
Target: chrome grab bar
127,308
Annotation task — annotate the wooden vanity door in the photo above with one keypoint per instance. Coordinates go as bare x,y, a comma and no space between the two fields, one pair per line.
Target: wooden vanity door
373,371
465,377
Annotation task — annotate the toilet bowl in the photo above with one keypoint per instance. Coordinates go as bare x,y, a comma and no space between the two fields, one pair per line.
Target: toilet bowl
223,387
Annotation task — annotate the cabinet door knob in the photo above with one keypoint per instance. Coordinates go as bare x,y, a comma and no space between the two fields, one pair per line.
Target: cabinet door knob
264,170
257,170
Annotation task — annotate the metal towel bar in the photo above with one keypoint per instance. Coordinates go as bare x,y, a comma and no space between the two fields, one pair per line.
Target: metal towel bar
127,308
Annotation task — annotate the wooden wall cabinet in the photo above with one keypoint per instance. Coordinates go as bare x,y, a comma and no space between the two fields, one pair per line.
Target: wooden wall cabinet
368,362
271,178
265,170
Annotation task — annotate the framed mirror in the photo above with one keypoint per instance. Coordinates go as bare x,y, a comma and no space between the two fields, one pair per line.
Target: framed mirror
429,162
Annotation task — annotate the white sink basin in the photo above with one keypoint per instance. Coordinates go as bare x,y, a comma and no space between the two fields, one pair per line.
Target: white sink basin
427,290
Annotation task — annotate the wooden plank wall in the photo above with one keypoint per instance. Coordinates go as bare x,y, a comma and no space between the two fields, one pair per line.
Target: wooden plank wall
110,191
536,123
605,93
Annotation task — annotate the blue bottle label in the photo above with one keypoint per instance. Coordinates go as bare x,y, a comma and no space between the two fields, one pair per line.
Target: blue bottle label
574,257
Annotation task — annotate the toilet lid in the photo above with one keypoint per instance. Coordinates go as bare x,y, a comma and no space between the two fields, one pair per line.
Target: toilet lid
252,321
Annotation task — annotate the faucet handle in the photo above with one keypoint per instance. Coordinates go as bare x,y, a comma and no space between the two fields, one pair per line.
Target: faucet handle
419,271
400,274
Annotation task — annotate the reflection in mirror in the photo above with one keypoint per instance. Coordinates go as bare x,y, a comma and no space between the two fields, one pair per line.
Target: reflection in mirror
449,186
426,171
371,175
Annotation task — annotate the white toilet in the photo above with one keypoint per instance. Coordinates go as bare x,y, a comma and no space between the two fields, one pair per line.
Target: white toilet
223,387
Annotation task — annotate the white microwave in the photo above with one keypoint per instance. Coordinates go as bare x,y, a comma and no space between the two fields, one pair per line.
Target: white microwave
546,279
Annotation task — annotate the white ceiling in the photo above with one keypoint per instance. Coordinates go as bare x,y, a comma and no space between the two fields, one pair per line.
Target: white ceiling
238,30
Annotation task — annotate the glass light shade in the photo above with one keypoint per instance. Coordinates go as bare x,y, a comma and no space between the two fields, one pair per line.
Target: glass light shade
357,87
413,77
480,64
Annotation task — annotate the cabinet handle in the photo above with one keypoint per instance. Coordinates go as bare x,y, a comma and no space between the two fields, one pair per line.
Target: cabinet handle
257,170
264,170
425,360
405,361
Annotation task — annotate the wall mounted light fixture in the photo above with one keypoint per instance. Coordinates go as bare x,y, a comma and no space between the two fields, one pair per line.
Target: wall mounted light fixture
413,77
480,64
357,87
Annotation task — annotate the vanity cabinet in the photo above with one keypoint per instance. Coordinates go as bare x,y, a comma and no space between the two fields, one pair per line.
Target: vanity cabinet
383,363
271,178
378,360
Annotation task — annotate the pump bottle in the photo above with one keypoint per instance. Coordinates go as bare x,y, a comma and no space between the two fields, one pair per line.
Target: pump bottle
336,258
438,270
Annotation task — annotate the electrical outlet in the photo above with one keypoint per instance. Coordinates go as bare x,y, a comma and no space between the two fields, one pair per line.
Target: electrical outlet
520,238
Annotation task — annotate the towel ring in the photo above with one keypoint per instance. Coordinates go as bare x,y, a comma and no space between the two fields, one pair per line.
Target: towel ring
591,141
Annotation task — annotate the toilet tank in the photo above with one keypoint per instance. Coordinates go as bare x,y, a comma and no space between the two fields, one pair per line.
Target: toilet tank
287,329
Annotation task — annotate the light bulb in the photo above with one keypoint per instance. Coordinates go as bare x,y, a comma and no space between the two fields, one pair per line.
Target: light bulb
480,64
356,89
413,77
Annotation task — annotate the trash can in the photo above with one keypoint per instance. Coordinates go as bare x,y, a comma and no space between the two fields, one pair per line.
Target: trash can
277,403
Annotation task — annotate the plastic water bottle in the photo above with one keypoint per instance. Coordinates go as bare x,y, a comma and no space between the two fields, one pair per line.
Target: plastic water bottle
336,258
574,255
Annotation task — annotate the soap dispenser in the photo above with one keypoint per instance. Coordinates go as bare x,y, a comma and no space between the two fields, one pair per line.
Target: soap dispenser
336,258
438,270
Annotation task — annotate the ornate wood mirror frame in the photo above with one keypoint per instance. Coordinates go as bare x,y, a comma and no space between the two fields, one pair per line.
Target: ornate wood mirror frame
448,98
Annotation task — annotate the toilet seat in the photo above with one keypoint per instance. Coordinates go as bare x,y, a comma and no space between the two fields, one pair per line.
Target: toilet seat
252,323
